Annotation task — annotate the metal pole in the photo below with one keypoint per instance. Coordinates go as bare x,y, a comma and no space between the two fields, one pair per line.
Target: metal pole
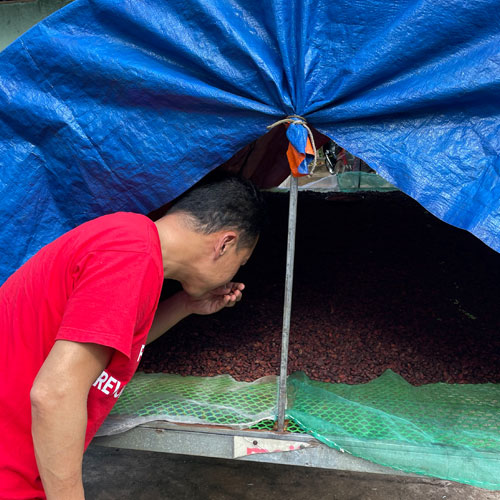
287,311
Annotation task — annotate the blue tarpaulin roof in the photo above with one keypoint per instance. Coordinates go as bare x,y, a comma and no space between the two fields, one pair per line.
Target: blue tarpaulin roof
114,105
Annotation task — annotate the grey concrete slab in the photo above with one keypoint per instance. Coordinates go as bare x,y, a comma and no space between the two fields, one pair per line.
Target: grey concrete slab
112,474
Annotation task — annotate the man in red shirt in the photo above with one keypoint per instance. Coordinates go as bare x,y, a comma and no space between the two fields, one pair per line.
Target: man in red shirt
75,318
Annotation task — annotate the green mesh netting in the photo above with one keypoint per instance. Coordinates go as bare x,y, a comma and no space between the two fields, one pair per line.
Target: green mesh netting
219,400
450,431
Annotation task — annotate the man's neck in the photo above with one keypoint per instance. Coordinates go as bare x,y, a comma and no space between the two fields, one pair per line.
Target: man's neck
179,245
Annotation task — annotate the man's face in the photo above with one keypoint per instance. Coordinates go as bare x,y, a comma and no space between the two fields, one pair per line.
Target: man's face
213,273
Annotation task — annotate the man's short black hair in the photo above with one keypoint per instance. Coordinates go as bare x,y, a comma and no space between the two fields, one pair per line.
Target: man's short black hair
228,203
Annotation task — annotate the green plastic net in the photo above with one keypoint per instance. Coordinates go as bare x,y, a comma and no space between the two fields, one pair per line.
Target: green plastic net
219,400
450,431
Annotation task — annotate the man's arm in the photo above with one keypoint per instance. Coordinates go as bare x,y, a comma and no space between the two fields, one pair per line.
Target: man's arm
168,314
181,305
59,414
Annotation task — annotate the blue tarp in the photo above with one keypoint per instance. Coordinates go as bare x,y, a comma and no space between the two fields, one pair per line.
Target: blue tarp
122,105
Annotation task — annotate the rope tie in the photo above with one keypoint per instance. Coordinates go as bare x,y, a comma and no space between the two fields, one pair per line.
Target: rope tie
299,120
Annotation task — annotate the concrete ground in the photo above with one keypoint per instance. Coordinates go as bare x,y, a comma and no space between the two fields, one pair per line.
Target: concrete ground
112,474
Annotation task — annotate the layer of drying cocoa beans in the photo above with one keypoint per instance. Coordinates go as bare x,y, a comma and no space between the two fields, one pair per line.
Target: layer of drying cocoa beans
379,283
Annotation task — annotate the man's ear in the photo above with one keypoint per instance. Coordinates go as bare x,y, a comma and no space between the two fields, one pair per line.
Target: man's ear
226,240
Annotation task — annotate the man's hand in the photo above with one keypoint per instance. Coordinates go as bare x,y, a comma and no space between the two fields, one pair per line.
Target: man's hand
180,305
215,300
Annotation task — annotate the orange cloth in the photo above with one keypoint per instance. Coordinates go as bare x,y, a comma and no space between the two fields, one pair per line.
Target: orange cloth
295,158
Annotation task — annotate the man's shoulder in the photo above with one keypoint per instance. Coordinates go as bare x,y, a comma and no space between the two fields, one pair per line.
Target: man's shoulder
127,220
120,231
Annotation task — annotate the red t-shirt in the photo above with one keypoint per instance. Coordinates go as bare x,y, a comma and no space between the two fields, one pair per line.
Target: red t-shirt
98,283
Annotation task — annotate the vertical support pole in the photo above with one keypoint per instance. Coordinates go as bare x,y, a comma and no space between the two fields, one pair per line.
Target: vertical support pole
287,310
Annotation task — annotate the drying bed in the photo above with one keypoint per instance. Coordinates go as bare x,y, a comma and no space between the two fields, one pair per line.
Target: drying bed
379,284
